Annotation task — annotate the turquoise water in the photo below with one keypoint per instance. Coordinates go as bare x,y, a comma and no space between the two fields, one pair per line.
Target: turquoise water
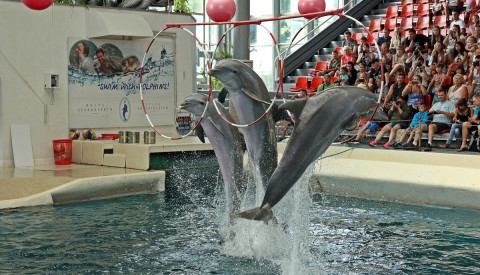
180,233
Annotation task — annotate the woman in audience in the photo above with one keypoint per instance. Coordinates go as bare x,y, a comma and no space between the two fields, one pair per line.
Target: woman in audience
450,40
462,114
415,92
397,40
438,54
473,121
352,74
438,79
348,56
460,58
435,37
475,22
458,89
398,61
474,77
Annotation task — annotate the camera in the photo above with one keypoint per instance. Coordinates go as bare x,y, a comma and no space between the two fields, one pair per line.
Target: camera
361,80
419,64
414,82
476,63
393,51
397,102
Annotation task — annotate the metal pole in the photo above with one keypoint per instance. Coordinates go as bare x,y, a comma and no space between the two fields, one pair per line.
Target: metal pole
241,35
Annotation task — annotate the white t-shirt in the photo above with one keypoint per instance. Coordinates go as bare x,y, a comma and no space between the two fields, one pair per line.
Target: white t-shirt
458,22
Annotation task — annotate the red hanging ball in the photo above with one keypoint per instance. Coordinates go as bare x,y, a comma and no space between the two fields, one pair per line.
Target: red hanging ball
37,4
221,10
309,6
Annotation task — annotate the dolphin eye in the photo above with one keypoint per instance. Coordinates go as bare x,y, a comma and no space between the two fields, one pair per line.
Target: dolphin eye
234,72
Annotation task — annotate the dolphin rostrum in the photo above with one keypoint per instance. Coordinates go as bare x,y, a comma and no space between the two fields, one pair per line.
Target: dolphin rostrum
226,141
250,97
320,120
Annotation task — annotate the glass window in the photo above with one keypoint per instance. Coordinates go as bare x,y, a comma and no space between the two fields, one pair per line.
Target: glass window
261,9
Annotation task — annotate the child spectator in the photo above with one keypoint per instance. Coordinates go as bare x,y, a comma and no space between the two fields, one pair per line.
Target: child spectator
462,114
473,121
398,113
343,76
370,127
438,79
416,128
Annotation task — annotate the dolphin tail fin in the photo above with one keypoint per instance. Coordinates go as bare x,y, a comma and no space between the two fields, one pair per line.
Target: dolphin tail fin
263,213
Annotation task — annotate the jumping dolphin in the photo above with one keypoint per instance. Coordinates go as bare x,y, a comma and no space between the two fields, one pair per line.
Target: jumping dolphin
226,141
250,97
320,120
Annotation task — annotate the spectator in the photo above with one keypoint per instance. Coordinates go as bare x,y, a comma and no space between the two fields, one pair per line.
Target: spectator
420,69
476,33
348,56
365,56
449,41
475,22
453,5
352,73
377,85
333,65
326,84
396,89
375,70
414,40
370,128
435,37
350,42
343,76
474,76
386,57
415,92
471,47
462,114
397,40
443,112
437,9
398,113
438,80
417,126
458,89
385,38
398,61
438,54
361,68
456,20
460,58
362,82
470,8
472,121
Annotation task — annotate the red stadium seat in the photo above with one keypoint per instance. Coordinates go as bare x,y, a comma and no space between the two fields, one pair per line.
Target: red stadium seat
375,25
340,50
334,78
302,83
392,12
406,24
423,23
428,101
390,23
407,11
424,32
372,38
407,2
321,66
357,36
316,81
423,1
423,10
440,21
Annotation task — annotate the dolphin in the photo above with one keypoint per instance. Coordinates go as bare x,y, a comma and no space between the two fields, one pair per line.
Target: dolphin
250,97
226,141
320,120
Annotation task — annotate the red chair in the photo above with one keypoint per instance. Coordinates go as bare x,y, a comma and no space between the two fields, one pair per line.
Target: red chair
448,81
423,23
407,11
357,36
316,81
424,32
390,23
423,10
440,21
428,101
372,38
340,50
407,80
375,25
443,32
334,78
302,83
321,66
392,12
423,1
407,2
406,24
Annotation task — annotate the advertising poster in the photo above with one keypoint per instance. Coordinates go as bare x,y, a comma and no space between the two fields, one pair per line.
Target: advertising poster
104,82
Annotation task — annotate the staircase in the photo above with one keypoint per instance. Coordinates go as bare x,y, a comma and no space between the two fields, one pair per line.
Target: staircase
304,64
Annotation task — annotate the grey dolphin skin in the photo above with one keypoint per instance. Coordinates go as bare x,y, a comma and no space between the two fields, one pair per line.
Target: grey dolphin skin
226,141
320,120
250,97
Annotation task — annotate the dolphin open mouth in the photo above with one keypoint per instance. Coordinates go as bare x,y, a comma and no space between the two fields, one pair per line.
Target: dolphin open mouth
213,72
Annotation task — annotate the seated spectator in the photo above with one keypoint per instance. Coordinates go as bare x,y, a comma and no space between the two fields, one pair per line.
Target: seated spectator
456,20
435,37
397,40
348,56
470,7
343,76
398,113
415,92
438,79
459,59
326,83
352,73
471,47
458,89
419,68
416,128
377,85
370,128
385,38
449,42
453,5
437,9
375,70
362,82
473,121
462,114
475,23
365,56
414,40
361,68
438,55
443,112
350,42
474,76
386,57
396,89
333,65
398,61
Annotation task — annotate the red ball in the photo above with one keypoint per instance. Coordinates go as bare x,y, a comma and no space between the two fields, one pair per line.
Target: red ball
37,4
309,6
221,10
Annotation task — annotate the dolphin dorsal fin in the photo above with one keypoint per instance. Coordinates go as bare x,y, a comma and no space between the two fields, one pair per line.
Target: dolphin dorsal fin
294,106
254,96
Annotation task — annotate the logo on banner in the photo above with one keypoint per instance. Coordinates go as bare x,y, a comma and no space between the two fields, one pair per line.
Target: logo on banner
124,109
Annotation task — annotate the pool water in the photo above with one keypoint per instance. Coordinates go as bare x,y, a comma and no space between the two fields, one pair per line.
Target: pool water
181,232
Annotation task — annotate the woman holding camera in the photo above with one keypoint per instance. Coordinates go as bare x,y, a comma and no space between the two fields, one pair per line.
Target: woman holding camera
458,90
415,92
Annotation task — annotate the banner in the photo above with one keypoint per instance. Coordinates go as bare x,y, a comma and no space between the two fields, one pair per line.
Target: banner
104,82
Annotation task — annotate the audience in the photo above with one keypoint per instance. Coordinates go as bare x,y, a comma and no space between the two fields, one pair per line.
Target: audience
462,114
474,120
443,112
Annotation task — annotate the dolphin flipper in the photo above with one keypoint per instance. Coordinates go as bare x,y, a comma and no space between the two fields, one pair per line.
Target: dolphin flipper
254,97
294,106
263,213
201,133
222,95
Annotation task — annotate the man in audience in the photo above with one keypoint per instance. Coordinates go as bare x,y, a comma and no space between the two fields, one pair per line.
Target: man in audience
327,83
419,68
456,20
396,89
349,41
414,40
443,112
453,5
385,38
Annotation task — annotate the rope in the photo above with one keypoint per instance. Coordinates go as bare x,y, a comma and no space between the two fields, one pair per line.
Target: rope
332,155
